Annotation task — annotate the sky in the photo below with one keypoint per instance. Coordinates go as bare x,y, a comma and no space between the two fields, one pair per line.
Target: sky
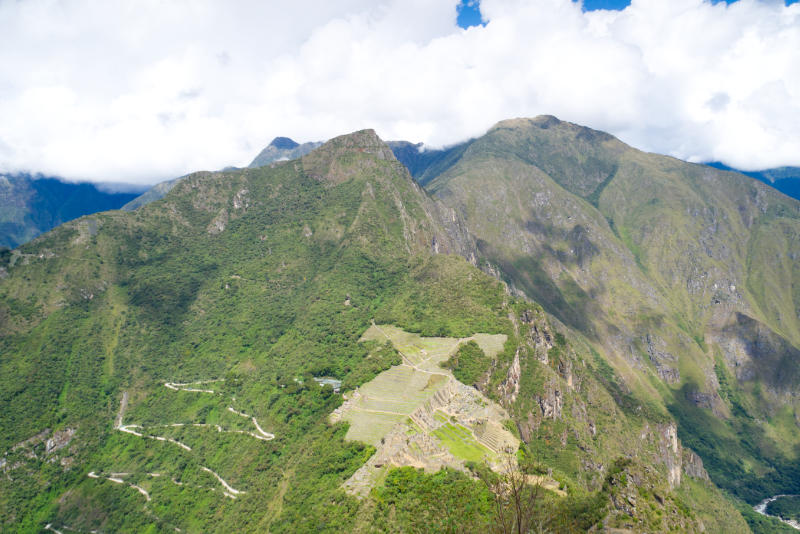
139,91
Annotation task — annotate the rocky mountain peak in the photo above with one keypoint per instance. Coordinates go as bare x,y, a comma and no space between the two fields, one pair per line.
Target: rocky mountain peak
523,123
284,143
360,141
549,122
325,161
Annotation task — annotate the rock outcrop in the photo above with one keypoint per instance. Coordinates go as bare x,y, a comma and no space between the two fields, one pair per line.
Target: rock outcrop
59,440
693,465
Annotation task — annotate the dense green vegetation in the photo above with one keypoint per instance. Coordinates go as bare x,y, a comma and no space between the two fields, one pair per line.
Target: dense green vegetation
448,501
468,363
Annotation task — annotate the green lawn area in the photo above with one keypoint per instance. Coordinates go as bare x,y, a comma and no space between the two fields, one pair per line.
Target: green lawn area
461,443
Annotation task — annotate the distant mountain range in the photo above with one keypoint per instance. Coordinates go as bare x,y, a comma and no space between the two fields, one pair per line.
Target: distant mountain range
784,179
31,205
283,148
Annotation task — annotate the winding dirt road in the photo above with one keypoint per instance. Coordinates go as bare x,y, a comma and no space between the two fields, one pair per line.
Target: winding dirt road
139,431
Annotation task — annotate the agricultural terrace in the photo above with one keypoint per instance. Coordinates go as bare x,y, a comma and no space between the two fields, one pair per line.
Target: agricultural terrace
442,421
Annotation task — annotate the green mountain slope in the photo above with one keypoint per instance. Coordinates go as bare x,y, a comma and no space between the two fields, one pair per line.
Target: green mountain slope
158,368
682,276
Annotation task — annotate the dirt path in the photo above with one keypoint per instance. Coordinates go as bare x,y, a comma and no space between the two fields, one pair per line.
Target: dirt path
184,386
139,431
129,429
266,436
233,491
117,480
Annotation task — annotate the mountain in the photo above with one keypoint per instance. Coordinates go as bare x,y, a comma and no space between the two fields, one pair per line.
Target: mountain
280,149
31,205
283,148
682,276
784,179
302,346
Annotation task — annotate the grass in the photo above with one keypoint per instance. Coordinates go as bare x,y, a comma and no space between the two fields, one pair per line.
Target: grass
461,443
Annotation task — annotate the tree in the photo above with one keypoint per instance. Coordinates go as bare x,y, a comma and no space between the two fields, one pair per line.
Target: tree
518,494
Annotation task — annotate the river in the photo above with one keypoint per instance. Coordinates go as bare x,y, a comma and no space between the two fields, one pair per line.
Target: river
761,508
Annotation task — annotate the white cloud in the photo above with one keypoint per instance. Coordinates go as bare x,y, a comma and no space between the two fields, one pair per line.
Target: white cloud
145,90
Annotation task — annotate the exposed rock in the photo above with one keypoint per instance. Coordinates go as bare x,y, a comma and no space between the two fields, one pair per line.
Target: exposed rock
218,224
240,200
541,337
693,465
668,374
670,452
33,440
565,371
663,361
59,440
700,399
551,403
509,388
753,350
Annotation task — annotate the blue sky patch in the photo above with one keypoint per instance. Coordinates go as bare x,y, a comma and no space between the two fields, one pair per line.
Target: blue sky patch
469,11
469,14
592,5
